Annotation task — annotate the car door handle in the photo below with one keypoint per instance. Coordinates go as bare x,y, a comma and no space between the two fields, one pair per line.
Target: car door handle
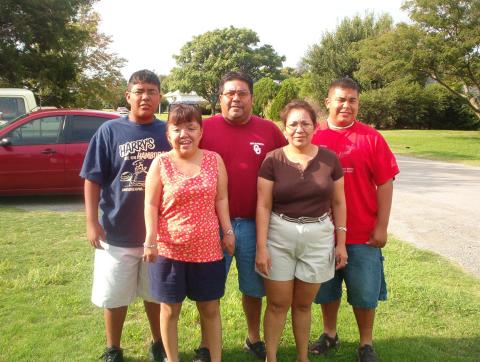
48,151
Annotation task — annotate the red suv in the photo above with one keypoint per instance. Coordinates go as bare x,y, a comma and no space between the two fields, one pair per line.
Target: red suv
42,152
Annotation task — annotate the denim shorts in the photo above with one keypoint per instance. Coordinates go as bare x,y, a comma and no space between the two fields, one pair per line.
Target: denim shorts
364,279
250,283
173,280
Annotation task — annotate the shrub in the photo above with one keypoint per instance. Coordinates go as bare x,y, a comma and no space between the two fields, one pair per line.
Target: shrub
288,91
263,92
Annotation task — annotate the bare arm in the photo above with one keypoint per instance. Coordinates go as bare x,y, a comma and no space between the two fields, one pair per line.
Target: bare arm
378,239
221,207
153,193
339,210
263,261
95,232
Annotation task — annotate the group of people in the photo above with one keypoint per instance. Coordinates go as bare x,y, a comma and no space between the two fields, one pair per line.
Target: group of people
300,212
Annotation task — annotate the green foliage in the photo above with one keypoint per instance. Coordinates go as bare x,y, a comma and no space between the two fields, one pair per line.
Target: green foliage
334,56
99,83
442,44
288,91
264,91
407,104
53,47
207,57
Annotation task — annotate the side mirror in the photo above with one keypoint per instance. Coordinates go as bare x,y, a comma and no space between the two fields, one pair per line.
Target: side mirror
5,142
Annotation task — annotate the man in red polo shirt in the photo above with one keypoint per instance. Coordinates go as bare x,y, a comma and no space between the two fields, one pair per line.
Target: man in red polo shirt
243,141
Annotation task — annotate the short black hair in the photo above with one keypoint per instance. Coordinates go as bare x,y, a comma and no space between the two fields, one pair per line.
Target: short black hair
143,76
345,83
244,77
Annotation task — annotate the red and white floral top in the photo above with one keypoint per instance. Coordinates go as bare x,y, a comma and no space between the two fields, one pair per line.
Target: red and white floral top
188,228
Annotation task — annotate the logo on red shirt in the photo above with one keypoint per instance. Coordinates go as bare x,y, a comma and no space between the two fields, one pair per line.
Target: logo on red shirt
257,147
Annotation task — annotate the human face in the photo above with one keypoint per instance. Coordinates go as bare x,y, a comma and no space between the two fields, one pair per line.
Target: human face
185,137
342,104
299,128
236,102
144,99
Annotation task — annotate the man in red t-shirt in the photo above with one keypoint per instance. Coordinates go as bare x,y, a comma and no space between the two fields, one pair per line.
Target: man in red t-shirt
369,169
243,141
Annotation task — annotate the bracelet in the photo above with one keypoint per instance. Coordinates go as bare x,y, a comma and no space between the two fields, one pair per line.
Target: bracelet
228,232
341,228
149,246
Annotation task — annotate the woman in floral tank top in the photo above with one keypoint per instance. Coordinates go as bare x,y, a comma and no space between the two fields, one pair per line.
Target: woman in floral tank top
185,200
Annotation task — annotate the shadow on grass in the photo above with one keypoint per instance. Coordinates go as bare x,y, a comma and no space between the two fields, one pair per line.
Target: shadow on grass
44,202
413,349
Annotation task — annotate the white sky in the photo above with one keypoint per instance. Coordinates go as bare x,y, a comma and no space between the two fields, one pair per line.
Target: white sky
149,32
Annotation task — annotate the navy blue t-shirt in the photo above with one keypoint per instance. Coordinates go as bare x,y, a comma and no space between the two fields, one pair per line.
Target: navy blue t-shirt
118,159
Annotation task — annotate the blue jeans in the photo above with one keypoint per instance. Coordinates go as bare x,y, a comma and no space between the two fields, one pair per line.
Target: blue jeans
364,279
249,282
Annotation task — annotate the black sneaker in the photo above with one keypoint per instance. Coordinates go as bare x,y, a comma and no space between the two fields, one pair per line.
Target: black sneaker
202,354
112,354
257,348
324,344
366,354
157,352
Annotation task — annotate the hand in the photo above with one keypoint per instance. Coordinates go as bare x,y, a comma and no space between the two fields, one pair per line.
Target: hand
378,239
228,242
341,257
150,255
95,234
263,262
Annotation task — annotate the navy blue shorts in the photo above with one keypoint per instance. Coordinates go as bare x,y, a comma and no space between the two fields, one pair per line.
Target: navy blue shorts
172,280
364,279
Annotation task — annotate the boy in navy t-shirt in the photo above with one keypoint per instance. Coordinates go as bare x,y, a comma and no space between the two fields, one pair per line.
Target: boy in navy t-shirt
114,170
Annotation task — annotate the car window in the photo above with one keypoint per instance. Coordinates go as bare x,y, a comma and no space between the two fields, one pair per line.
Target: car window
45,130
11,107
81,128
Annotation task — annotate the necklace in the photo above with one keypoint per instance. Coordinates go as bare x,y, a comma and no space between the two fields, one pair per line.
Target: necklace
332,126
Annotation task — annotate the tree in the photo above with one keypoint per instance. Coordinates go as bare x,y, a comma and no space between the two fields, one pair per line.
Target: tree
443,44
99,82
404,103
334,57
287,92
53,47
207,57
264,91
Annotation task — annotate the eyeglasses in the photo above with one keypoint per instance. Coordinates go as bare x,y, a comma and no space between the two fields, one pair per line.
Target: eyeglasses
306,126
149,92
241,93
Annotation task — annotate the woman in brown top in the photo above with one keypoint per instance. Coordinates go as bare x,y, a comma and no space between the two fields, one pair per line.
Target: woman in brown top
298,246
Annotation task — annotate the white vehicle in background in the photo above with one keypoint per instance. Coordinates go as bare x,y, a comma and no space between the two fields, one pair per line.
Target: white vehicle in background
122,110
14,102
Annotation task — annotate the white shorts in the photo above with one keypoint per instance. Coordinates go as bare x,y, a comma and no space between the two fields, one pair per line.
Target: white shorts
302,251
119,276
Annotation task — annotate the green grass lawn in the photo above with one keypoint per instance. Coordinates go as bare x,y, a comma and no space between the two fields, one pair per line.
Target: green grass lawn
453,146
433,311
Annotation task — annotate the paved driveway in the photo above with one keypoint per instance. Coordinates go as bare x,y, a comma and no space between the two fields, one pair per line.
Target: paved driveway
436,206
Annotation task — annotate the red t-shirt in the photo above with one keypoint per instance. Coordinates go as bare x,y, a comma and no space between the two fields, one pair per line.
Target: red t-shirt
243,148
367,162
